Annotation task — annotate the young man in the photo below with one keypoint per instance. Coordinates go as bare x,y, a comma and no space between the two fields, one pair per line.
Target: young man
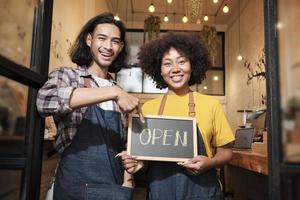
88,109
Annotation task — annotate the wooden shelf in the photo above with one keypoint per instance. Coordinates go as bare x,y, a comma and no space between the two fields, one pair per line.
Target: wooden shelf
251,161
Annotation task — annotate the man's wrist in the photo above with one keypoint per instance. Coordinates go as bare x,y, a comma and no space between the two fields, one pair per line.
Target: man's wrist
114,90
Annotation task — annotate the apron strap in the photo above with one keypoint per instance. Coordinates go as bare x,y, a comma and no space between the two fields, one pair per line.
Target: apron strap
162,104
191,105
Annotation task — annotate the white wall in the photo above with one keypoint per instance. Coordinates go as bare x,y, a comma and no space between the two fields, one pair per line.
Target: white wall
68,18
239,95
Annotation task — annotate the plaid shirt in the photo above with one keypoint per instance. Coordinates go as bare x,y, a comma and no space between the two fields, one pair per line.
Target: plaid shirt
54,99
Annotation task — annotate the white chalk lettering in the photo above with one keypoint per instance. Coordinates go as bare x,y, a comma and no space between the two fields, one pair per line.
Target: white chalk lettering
146,131
179,137
157,133
165,136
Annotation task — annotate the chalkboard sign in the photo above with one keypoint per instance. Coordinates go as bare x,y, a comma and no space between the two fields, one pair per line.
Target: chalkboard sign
162,138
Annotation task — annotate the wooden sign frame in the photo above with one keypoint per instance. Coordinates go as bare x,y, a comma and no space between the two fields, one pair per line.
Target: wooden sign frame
158,157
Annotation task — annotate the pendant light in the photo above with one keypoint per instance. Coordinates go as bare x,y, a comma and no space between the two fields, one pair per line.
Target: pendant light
166,18
185,19
151,8
205,17
239,57
116,17
225,8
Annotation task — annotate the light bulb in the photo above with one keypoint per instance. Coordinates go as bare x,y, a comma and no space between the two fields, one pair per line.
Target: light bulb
215,1
151,8
279,25
216,78
205,87
169,1
185,19
166,18
225,8
116,17
239,57
206,18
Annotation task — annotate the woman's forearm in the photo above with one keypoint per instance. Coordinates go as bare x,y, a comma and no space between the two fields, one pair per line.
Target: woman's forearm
222,157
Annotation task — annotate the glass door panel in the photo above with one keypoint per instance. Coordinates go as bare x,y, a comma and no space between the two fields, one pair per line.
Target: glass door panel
16,25
289,69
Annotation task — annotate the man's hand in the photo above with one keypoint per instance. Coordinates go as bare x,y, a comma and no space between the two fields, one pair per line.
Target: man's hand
128,103
131,164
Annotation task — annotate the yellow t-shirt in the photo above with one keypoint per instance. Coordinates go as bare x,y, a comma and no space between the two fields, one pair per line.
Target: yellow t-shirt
210,117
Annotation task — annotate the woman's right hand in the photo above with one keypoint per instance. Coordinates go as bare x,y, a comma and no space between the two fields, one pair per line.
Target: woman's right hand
131,164
128,103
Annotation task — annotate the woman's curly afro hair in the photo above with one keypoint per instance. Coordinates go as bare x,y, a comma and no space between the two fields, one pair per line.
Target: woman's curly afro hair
187,44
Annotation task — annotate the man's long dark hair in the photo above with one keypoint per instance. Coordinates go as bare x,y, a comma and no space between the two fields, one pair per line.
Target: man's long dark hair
80,53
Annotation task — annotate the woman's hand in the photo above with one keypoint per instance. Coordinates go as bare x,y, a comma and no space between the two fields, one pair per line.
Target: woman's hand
198,164
131,164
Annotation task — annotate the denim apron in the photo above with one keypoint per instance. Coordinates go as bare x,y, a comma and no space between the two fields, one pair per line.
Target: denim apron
88,168
169,181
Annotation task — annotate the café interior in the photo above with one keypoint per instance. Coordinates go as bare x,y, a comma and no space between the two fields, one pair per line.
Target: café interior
254,47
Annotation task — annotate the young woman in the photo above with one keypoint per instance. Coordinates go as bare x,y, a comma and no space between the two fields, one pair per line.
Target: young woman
177,61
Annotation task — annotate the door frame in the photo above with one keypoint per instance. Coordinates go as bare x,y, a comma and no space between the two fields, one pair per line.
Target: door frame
34,77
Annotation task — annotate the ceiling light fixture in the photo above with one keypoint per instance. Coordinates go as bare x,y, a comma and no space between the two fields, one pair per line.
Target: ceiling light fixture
169,1
205,18
225,8
185,19
215,1
151,8
216,78
116,17
279,25
166,18
239,57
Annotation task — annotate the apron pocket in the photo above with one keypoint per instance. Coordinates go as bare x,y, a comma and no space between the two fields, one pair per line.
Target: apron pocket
108,191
